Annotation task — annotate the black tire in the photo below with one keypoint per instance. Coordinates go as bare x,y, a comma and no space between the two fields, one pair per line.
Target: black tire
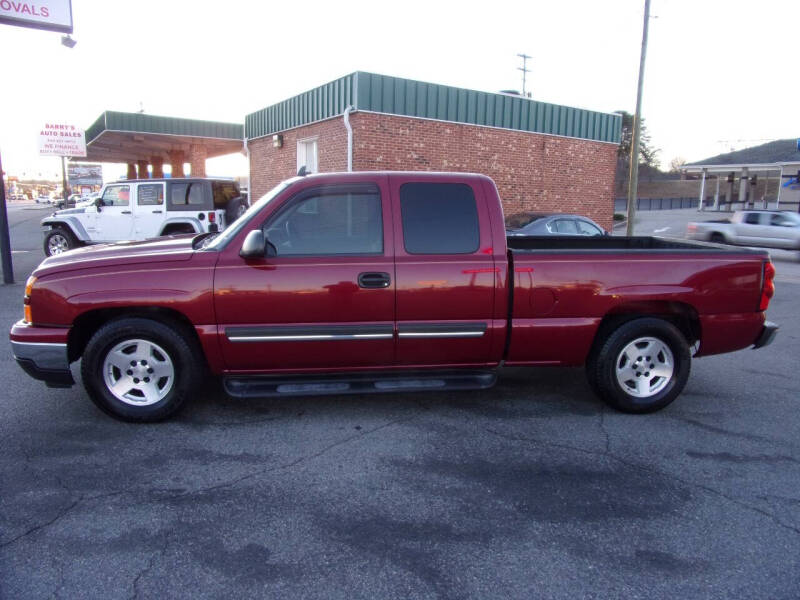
235,209
59,240
154,348
618,356
718,238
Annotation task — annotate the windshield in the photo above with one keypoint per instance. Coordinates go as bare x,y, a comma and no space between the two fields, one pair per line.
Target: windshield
794,217
222,239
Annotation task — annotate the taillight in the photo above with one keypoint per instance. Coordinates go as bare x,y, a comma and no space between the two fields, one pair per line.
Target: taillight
26,300
768,288
212,217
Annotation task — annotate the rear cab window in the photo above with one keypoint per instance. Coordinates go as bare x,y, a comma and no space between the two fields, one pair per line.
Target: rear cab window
752,218
439,218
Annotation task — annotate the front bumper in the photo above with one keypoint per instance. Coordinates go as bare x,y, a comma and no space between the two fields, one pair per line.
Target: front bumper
767,335
44,361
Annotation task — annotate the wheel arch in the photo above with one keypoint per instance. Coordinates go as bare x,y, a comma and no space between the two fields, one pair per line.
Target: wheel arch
73,225
179,222
680,314
87,324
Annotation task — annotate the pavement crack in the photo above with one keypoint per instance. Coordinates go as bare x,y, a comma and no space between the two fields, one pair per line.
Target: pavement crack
149,566
293,463
41,526
60,515
604,430
648,469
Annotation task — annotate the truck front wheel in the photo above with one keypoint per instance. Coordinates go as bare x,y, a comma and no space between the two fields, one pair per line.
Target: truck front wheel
140,370
641,367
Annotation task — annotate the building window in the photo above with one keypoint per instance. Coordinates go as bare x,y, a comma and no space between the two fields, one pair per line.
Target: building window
307,155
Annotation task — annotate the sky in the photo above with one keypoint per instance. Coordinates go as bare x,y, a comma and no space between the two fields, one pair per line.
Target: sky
720,74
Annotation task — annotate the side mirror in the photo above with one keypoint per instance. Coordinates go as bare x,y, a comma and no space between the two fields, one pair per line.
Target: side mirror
98,202
255,245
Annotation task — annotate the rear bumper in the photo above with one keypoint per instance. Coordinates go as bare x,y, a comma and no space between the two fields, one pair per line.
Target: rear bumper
767,335
43,359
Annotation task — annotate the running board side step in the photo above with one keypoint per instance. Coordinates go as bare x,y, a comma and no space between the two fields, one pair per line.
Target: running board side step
265,386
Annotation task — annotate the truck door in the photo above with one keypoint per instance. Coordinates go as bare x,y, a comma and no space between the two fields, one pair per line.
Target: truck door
114,221
148,212
445,272
749,230
325,300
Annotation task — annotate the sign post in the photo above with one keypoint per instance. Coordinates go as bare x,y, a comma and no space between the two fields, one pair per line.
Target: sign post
62,139
50,15
5,241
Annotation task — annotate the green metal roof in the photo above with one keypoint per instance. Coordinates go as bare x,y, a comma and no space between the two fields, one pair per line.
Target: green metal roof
141,123
392,95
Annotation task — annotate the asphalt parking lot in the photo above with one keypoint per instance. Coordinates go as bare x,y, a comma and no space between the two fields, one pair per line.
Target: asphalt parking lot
532,489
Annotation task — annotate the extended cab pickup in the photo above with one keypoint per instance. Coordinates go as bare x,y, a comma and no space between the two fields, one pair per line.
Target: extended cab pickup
765,228
373,282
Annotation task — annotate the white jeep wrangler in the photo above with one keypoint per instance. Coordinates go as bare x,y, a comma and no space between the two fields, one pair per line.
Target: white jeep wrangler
146,208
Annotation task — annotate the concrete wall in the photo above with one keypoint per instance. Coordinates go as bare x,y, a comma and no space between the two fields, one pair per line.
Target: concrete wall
532,171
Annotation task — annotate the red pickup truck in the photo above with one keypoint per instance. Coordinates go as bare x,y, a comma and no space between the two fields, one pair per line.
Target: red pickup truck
384,281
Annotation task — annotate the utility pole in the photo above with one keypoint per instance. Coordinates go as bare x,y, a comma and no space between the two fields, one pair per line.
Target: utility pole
525,70
633,183
5,240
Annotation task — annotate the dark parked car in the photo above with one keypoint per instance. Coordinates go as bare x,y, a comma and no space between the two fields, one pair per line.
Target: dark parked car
530,223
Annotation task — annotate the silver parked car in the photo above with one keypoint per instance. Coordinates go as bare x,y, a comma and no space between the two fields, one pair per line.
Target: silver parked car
530,223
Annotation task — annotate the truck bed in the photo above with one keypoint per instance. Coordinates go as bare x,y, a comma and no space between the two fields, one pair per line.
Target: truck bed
607,244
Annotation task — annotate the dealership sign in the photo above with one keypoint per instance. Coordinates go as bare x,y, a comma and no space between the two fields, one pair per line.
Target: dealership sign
61,139
54,15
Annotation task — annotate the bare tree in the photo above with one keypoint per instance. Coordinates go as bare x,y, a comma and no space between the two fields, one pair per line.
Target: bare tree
676,163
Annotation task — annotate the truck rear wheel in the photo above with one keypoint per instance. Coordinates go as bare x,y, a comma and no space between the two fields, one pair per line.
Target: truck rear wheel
140,370
718,238
58,240
640,367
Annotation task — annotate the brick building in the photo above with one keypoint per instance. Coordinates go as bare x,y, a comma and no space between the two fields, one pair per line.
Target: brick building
542,156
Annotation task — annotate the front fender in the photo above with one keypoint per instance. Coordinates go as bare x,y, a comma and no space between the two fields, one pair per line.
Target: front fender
72,223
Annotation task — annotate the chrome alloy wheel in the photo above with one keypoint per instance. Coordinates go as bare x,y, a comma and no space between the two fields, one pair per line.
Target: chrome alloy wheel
645,367
138,372
57,244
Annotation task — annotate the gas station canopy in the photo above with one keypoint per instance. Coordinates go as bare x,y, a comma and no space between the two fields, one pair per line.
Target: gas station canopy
140,139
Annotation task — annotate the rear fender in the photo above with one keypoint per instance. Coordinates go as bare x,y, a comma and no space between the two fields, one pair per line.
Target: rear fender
192,221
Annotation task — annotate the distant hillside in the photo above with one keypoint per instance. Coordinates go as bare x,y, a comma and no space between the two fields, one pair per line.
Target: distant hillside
771,152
